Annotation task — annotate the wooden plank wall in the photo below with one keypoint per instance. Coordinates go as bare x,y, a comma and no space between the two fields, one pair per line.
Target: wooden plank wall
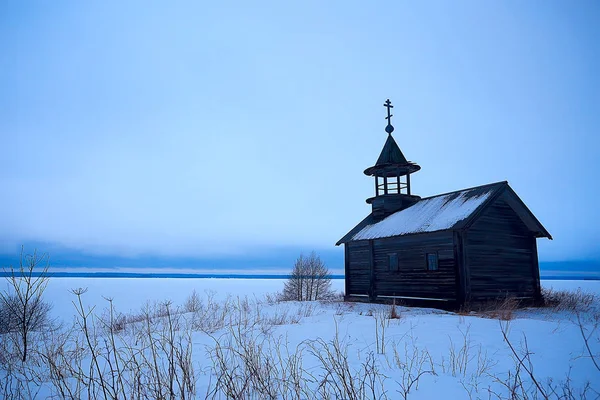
358,268
413,279
499,255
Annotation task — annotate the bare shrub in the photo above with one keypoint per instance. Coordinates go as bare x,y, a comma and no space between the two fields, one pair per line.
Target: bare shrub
459,357
247,365
22,307
98,358
212,315
8,306
310,280
271,298
414,363
293,380
521,382
339,378
522,359
468,362
193,303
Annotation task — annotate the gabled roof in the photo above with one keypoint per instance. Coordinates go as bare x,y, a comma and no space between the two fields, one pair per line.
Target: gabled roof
449,211
391,153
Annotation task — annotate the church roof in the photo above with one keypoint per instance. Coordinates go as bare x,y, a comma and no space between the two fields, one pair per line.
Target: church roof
391,161
450,211
391,153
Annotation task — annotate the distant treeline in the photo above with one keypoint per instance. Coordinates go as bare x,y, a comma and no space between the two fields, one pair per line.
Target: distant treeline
162,275
235,276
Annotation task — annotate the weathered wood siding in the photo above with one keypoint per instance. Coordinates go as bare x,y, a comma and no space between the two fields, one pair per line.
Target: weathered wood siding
412,277
358,267
499,255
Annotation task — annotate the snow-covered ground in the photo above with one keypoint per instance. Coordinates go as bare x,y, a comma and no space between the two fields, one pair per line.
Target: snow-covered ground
454,356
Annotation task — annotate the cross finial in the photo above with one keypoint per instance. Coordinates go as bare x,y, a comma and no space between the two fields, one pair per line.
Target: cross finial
389,128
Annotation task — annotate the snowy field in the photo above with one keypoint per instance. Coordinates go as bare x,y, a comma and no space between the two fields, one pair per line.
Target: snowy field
422,354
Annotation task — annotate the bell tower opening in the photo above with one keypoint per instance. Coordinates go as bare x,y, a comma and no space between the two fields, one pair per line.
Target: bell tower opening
392,185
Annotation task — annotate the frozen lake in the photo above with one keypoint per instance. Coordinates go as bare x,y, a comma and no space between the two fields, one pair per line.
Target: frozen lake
129,294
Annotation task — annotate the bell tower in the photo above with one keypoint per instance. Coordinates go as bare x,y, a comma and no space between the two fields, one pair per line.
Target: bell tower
392,175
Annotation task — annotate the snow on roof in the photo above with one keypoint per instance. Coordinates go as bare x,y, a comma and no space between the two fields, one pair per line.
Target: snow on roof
428,215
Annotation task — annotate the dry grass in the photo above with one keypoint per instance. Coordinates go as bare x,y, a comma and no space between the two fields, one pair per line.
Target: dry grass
568,300
501,308
558,300
504,309
394,314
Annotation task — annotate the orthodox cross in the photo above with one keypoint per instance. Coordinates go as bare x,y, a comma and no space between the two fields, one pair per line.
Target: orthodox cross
389,128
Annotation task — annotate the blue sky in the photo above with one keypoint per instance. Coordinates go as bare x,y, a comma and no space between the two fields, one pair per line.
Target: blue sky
225,129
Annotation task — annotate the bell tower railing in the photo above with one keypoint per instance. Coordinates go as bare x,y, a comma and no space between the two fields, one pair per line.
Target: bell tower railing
392,185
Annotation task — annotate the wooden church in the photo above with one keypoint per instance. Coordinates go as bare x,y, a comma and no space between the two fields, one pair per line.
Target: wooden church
467,246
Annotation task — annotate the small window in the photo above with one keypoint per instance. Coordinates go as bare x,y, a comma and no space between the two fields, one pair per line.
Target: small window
393,260
432,261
